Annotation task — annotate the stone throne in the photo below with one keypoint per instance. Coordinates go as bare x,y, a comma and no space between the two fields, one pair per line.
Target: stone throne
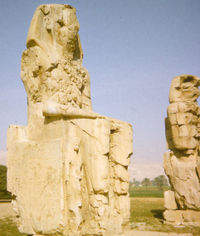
182,161
68,168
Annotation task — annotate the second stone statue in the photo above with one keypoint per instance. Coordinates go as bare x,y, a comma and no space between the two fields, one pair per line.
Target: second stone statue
182,160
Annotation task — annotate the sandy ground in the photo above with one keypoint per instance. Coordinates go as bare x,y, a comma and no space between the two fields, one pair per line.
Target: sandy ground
7,211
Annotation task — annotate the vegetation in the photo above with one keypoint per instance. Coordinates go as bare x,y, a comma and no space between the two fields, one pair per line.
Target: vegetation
149,188
160,182
8,228
146,182
147,214
148,191
4,194
147,207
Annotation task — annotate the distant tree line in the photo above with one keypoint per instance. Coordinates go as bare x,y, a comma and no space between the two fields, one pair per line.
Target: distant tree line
159,181
4,194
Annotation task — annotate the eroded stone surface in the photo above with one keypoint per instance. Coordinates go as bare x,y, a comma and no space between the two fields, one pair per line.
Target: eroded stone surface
68,168
170,202
181,162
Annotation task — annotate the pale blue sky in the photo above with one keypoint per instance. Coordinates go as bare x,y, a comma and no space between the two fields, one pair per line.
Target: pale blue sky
132,50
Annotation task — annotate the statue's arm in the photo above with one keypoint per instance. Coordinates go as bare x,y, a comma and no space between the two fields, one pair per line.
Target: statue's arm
55,109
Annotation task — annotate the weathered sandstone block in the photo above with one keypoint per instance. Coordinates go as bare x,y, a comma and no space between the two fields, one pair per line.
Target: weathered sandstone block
68,168
170,202
182,161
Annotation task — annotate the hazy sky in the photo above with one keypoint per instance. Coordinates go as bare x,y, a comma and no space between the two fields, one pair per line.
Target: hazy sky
132,50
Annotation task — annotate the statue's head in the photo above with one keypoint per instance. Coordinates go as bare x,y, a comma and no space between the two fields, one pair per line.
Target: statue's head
55,25
184,88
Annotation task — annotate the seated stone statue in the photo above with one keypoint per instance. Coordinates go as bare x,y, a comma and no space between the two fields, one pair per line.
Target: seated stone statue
68,168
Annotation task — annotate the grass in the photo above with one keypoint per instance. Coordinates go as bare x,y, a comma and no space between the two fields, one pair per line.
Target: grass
8,228
5,195
146,214
149,191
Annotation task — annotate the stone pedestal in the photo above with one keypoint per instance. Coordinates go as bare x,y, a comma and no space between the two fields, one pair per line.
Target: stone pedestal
182,217
73,179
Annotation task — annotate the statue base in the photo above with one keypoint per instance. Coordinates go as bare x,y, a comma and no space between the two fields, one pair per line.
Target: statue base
70,176
182,217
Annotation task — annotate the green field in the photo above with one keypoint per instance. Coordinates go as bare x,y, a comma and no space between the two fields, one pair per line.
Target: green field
149,191
146,214
8,228
147,207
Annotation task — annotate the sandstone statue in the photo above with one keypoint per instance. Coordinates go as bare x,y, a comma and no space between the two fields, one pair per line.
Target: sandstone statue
68,168
182,161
